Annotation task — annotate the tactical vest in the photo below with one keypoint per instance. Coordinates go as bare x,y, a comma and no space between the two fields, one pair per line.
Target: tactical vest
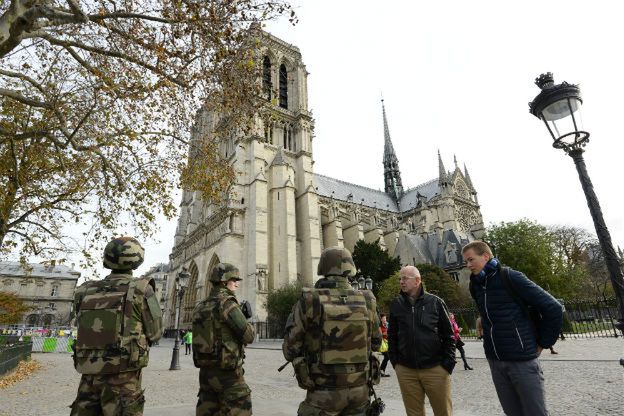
338,338
111,334
214,343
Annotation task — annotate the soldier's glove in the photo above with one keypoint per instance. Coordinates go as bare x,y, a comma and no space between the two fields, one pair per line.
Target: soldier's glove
246,309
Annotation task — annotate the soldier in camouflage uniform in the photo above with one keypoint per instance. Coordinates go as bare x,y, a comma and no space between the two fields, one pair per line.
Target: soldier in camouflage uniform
118,319
220,333
330,336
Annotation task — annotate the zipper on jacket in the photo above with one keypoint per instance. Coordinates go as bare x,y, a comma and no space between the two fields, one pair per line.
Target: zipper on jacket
488,316
519,337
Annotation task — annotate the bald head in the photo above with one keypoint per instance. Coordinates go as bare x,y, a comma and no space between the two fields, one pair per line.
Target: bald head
410,271
409,279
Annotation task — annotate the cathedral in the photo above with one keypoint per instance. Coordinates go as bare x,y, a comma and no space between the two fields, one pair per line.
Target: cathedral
280,214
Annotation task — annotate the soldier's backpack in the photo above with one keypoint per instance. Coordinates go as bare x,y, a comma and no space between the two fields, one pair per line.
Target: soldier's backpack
214,344
110,337
338,341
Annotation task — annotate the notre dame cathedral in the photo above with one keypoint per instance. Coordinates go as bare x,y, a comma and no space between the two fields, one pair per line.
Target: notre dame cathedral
281,214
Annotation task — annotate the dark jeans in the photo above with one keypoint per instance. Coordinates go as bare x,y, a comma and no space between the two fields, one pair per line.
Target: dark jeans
187,348
520,387
384,363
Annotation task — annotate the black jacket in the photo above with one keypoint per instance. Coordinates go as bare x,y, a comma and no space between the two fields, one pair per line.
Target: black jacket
508,333
420,336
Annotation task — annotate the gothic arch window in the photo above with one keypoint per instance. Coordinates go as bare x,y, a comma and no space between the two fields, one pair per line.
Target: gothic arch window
266,77
190,295
283,86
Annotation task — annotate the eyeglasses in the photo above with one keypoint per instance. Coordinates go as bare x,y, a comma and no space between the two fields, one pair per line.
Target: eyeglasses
405,278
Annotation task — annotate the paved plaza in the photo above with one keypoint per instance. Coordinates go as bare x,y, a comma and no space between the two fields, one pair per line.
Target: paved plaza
584,379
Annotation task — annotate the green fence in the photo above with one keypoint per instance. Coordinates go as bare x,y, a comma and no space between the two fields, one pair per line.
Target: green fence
12,354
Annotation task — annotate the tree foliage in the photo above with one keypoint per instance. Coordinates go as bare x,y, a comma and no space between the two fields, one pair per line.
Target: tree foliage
565,260
280,301
373,261
388,290
438,282
12,308
96,103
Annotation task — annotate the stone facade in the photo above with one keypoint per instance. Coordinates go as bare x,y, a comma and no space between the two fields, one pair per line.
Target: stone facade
280,214
48,290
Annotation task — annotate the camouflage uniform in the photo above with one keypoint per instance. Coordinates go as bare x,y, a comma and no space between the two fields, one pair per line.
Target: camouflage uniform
330,336
220,332
118,319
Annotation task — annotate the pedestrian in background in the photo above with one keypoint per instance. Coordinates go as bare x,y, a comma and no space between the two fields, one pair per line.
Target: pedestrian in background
188,342
512,340
459,344
384,344
421,346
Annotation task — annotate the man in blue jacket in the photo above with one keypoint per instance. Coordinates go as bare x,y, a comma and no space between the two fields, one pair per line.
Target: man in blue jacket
511,339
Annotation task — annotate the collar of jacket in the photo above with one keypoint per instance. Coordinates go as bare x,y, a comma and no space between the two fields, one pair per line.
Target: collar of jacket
221,290
126,274
491,268
421,293
341,281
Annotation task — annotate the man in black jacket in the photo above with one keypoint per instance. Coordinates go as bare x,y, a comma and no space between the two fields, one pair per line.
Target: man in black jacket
421,346
512,340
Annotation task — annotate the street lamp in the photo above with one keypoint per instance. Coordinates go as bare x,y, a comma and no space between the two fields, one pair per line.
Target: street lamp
180,286
559,107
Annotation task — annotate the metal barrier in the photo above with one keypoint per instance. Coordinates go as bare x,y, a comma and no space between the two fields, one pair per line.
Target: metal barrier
581,319
11,355
52,344
269,330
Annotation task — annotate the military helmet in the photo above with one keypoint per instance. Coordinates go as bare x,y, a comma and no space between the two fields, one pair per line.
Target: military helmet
223,272
336,261
123,253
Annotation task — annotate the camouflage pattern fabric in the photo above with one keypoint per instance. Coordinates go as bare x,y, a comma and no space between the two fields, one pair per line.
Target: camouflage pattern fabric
123,253
109,395
220,331
348,401
223,272
223,393
118,318
336,261
334,331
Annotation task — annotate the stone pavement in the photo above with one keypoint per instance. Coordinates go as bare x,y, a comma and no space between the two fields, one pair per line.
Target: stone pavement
583,379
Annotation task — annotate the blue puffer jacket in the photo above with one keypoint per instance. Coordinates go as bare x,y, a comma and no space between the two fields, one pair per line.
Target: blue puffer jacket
508,334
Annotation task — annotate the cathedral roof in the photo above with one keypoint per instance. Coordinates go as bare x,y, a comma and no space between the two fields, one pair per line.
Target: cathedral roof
349,192
410,197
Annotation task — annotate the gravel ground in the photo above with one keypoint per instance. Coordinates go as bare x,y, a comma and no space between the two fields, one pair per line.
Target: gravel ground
583,379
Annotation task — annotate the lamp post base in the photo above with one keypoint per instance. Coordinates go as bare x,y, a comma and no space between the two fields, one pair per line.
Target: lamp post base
175,357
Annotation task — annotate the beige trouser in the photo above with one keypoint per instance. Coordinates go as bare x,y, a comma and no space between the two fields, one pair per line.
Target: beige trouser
434,382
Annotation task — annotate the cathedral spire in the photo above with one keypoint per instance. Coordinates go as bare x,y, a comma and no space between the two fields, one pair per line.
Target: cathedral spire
442,179
392,175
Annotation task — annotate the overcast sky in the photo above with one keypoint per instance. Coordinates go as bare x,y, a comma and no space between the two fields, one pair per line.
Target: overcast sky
457,76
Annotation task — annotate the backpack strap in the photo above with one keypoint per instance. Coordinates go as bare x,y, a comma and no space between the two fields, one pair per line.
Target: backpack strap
511,290
128,308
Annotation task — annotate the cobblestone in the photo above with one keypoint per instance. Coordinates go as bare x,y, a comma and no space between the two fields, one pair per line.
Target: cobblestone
583,379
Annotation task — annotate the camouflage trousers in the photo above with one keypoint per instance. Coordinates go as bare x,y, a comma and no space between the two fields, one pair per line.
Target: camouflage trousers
337,402
223,393
109,395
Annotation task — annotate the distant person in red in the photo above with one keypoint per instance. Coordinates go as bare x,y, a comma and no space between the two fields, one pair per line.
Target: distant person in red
458,341
384,332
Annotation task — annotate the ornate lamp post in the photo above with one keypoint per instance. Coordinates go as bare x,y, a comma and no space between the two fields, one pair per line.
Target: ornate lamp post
180,286
559,107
